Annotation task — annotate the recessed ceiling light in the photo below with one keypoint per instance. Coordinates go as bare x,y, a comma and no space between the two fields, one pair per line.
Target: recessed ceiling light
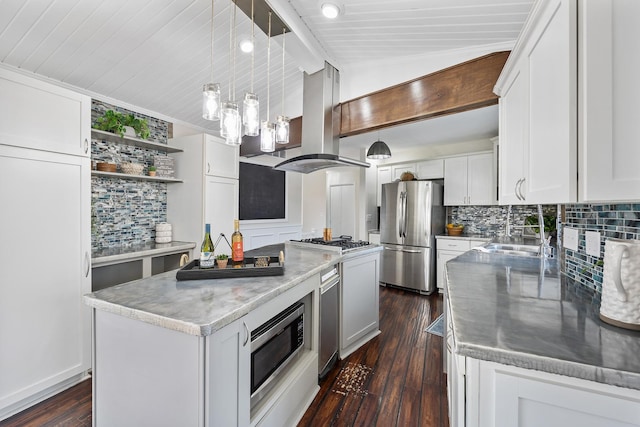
246,46
330,10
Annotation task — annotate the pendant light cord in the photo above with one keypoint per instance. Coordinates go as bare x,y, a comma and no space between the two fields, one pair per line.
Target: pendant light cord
253,43
212,15
284,32
235,8
230,48
268,64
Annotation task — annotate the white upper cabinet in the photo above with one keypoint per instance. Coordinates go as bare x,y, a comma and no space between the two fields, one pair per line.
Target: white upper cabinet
608,70
538,115
469,180
384,177
430,169
221,159
398,170
39,115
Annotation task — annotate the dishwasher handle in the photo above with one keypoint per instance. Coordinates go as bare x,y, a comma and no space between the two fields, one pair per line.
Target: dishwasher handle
328,286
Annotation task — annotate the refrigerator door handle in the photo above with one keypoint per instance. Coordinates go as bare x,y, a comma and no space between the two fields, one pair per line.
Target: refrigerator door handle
400,213
409,251
404,215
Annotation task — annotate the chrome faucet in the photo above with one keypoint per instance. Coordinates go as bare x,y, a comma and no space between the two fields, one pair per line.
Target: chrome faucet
507,226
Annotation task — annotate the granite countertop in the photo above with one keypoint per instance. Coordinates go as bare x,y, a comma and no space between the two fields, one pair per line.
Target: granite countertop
119,254
201,307
523,312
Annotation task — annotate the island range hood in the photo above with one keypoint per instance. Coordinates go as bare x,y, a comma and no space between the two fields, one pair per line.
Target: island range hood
320,125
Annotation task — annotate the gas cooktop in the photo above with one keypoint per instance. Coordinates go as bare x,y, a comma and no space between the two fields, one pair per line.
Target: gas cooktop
340,244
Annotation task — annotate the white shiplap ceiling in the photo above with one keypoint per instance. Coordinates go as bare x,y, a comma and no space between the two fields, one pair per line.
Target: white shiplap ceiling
156,54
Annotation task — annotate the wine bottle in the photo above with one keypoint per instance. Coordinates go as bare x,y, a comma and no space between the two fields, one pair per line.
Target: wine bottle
207,260
237,245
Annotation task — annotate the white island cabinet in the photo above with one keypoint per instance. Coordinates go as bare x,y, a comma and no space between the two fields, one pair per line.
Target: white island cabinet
359,301
45,240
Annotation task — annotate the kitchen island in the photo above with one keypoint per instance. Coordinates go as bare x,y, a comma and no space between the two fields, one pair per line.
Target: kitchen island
170,352
526,345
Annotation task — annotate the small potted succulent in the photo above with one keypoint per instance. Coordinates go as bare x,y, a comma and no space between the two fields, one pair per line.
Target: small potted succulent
152,170
222,260
122,124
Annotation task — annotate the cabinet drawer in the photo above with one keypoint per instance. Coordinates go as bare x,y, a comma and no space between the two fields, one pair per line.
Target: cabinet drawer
453,244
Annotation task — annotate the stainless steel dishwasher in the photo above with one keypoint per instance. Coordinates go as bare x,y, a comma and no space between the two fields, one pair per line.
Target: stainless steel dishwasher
329,291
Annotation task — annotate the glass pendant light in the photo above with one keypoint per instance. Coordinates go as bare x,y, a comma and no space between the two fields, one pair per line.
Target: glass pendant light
251,105
230,119
267,129
211,91
282,121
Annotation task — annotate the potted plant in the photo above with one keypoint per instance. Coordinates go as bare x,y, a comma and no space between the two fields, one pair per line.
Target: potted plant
152,170
549,223
115,122
222,260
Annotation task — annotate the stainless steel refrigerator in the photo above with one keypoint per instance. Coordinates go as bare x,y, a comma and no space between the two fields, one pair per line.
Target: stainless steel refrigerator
410,217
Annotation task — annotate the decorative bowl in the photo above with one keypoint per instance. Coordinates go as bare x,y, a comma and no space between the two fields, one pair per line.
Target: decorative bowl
106,167
455,229
132,168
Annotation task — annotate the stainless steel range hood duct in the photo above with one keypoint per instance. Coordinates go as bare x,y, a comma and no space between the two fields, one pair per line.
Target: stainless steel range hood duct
320,125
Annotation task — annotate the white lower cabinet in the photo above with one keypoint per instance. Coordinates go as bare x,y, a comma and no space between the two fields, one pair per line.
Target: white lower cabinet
447,249
489,394
228,369
502,395
359,302
45,262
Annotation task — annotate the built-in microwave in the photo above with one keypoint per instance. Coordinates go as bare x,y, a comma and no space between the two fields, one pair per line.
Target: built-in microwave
273,346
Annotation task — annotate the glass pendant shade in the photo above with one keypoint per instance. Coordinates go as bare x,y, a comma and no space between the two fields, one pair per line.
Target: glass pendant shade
378,150
211,101
230,123
282,130
267,137
251,114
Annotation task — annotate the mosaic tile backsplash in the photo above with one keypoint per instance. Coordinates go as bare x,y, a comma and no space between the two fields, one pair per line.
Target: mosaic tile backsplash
620,221
491,220
124,211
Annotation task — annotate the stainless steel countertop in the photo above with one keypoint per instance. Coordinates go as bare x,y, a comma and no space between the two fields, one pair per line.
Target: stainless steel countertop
521,311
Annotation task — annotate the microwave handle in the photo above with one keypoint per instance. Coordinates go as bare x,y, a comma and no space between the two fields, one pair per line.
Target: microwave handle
246,334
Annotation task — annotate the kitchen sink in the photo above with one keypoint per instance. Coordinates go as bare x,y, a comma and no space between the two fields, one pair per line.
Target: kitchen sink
511,249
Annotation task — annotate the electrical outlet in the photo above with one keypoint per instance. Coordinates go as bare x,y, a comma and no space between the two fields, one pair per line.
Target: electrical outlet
570,238
592,239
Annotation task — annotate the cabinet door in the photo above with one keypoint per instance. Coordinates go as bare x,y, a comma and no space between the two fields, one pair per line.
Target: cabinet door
443,257
455,181
228,367
513,134
45,264
222,159
384,177
221,208
358,300
480,180
431,169
342,202
609,90
398,170
39,115
552,149
511,396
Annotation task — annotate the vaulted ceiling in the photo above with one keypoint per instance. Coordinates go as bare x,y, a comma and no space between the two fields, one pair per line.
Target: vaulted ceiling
156,54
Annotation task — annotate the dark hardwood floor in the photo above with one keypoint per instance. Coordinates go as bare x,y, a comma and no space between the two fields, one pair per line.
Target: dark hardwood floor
394,380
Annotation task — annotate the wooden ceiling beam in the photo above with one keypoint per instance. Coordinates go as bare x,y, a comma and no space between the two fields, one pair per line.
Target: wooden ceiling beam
462,87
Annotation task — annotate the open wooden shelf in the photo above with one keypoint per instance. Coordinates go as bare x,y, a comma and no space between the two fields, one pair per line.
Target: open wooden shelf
138,177
136,142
